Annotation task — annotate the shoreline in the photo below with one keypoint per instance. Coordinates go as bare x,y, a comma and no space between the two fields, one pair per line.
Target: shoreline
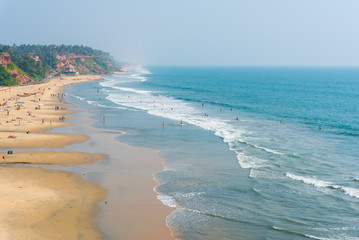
132,202
28,131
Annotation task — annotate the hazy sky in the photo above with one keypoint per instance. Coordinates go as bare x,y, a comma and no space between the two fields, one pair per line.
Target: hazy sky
193,32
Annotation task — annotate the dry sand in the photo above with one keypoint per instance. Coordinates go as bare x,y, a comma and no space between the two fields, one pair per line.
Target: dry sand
49,158
47,204
39,203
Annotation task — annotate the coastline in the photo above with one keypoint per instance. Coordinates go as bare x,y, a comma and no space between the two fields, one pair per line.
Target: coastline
131,209
25,128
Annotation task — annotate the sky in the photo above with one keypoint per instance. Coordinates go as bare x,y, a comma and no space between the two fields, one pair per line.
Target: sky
193,32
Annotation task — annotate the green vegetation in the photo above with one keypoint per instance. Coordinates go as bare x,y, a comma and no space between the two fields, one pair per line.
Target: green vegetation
5,77
36,70
85,60
11,66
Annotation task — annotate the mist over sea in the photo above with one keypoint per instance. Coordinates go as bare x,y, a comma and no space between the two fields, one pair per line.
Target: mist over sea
262,152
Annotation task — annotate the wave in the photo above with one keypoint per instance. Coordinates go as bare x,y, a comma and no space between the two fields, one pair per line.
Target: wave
295,233
179,110
171,202
312,181
352,192
80,98
139,77
246,161
167,200
265,174
142,70
268,150
133,90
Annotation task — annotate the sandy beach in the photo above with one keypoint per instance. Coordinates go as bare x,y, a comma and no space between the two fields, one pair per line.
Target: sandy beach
47,204
52,204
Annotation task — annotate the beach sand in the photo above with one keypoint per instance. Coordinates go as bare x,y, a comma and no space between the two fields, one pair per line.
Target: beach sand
47,204
50,204
132,210
49,158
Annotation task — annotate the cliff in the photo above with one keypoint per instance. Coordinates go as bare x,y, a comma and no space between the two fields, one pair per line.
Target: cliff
5,59
20,78
16,74
29,63
85,65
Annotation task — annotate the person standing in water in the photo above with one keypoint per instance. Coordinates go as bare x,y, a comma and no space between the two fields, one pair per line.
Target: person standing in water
163,124
104,121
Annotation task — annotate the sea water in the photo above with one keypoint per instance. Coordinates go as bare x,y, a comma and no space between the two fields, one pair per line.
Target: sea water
251,152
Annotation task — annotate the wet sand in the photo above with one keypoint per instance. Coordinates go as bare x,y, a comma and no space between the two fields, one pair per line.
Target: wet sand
131,210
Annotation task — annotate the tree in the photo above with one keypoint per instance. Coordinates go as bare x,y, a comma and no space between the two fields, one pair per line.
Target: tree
5,77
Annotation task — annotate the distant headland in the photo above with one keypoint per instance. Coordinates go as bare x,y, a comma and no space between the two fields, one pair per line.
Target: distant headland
25,64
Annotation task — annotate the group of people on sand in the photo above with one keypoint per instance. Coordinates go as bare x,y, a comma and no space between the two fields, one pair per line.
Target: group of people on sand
60,108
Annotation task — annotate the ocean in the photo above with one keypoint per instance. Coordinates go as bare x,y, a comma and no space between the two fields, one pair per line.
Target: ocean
251,152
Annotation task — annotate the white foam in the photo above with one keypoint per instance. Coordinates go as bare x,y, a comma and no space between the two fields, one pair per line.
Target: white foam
317,238
264,174
307,180
125,89
268,150
139,77
142,70
80,98
167,200
352,192
249,161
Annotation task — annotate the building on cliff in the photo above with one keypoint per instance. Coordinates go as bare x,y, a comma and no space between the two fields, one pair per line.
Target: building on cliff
61,57
36,58
70,69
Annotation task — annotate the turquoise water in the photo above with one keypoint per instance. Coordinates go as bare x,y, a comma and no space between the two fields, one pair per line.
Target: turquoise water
262,153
